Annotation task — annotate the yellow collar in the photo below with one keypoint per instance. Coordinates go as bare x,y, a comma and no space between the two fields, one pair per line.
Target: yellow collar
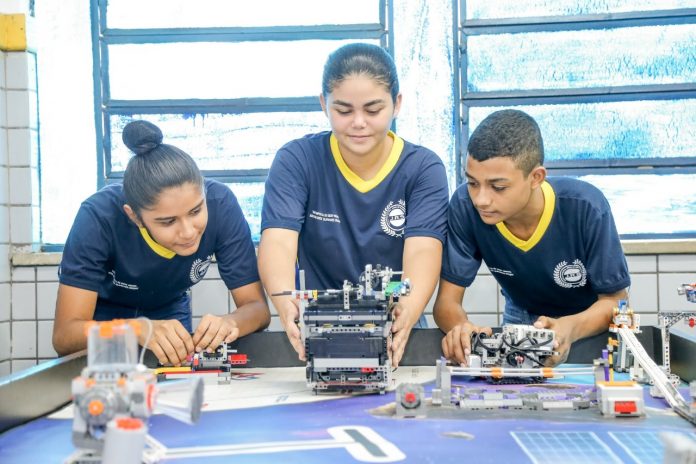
353,179
544,221
156,247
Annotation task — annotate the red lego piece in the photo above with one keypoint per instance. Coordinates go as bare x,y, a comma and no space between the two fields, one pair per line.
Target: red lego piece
625,407
237,359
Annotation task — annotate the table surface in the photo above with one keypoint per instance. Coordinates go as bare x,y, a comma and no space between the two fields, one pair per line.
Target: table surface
269,415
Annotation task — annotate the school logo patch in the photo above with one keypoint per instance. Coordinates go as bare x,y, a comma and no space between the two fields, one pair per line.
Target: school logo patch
199,268
393,219
570,275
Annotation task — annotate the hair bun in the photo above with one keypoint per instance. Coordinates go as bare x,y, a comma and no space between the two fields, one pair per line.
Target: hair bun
141,136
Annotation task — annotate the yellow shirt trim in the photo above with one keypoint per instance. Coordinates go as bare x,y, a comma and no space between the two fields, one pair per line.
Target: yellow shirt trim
356,181
156,247
549,205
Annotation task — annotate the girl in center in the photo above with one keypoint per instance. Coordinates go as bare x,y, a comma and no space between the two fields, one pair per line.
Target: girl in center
356,195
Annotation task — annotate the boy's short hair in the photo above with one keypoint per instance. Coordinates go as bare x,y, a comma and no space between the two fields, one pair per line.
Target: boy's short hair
509,133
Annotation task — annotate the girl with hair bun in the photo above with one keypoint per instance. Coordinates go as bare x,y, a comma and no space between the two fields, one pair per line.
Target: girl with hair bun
135,249
356,195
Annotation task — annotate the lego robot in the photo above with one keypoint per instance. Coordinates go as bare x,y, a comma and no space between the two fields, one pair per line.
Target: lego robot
216,365
220,361
116,392
346,332
516,347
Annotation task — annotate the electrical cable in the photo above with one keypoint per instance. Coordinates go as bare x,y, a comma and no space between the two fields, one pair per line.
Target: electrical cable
147,339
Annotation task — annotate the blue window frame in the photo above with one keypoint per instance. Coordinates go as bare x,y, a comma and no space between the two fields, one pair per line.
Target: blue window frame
612,86
232,111
249,83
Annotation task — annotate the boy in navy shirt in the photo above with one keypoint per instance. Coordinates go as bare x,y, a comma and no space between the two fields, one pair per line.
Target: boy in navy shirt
551,244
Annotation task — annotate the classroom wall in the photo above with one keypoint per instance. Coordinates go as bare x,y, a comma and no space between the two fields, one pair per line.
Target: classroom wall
19,197
19,175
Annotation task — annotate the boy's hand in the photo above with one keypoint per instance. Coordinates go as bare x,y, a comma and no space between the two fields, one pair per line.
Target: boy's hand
456,345
564,337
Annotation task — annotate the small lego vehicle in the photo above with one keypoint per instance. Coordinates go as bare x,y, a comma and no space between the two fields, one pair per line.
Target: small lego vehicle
517,346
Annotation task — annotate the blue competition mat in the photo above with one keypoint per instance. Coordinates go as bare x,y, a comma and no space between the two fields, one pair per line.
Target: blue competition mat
364,429
565,447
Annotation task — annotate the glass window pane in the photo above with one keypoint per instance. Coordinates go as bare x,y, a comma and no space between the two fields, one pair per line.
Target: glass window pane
650,203
222,141
218,70
228,13
426,70
250,197
631,129
487,9
66,114
579,59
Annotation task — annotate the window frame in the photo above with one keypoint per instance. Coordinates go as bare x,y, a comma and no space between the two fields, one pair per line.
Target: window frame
105,106
469,27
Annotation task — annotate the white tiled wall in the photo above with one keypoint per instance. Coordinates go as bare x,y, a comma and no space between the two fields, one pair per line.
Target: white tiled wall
5,287
21,146
19,203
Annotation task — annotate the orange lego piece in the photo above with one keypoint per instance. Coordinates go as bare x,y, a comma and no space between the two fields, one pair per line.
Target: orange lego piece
95,407
129,423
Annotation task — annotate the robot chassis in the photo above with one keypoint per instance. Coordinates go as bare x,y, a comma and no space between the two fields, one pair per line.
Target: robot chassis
346,331
518,350
115,393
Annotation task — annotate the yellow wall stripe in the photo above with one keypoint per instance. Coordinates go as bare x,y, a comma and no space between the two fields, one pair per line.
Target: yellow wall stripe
13,32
